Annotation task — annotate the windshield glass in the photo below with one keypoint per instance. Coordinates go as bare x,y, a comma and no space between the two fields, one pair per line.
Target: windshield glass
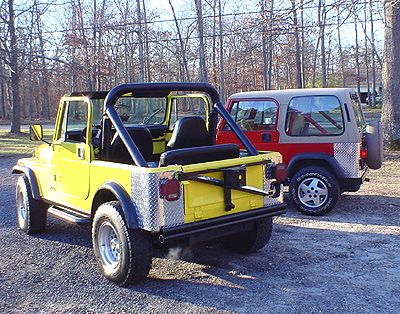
134,111
355,103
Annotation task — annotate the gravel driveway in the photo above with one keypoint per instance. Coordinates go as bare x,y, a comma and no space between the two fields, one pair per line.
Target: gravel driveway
348,261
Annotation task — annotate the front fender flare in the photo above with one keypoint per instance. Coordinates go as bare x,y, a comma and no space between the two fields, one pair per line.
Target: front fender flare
30,175
128,207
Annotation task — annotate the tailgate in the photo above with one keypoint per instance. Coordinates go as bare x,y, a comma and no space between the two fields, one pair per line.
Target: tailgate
225,187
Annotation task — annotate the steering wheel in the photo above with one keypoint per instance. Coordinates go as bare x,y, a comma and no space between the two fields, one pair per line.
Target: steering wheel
95,139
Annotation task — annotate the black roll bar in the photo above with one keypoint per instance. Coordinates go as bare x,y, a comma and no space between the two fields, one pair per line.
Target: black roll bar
150,89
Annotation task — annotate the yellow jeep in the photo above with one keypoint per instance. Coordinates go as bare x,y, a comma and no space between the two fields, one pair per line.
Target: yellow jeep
140,164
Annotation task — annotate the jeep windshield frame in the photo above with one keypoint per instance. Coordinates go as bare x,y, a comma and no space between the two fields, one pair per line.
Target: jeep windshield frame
111,116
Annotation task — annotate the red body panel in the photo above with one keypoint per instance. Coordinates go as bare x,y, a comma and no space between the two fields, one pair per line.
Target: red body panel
287,150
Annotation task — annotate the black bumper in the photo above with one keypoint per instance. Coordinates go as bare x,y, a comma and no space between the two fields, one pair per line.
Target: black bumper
210,229
353,184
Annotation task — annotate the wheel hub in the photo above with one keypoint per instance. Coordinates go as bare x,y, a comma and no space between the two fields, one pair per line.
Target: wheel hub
109,246
312,192
22,212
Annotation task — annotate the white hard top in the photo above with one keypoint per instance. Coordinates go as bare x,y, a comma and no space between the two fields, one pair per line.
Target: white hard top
283,96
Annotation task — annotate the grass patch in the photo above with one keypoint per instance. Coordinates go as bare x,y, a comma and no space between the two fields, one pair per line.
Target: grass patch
18,144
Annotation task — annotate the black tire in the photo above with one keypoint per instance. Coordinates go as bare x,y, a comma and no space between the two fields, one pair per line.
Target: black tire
124,255
314,191
250,241
31,214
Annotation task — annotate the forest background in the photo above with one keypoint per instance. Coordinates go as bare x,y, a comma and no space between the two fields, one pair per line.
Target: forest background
53,47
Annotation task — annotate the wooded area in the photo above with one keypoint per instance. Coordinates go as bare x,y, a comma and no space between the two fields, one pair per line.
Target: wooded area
50,48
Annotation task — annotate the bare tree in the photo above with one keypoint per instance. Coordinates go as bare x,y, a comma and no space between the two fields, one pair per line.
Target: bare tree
14,69
200,31
391,75
299,81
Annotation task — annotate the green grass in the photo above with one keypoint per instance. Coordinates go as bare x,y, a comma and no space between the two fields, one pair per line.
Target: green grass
18,144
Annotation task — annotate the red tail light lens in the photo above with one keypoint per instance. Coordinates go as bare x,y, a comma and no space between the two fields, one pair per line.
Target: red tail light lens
363,153
280,172
170,189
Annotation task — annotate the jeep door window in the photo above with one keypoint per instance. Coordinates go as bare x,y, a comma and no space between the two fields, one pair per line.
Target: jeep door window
141,111
74,121
254,115
314,116
186,107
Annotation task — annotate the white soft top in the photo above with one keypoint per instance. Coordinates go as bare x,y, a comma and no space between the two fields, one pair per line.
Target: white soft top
283,96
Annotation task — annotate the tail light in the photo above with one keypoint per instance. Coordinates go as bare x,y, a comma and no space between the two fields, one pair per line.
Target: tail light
280,172
363,153
170,189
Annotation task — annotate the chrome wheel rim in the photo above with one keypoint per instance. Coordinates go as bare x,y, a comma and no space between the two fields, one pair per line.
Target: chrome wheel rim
312,192
109,246
22,211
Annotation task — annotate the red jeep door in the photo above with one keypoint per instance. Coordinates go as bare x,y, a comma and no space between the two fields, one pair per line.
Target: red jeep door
257,118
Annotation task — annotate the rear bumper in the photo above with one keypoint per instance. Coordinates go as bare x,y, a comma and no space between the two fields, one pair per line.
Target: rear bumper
353,184
206,230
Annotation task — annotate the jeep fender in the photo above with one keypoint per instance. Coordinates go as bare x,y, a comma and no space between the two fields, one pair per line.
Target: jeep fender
315,157
30,175
128,207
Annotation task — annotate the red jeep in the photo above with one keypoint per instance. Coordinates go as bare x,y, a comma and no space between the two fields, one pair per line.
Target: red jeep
321,133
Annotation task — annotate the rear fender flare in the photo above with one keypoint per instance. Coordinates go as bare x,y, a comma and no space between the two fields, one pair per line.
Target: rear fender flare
30,175
128,207
315,157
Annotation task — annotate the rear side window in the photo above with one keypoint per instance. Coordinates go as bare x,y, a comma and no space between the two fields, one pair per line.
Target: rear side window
355,104
314,116
254,115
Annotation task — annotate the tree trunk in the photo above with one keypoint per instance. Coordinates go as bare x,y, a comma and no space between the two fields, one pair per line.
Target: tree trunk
373,94
139,33
221,55
303,40
322,19
298,50
146,39
44,73
340,49
15,104
366,51
181,43
202,51
357,52
391,75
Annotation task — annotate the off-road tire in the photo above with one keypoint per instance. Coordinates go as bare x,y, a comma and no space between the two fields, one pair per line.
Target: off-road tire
134,246
325,182
250,241
31,214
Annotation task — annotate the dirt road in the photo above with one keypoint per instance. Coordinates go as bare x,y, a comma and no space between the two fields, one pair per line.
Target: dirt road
348,261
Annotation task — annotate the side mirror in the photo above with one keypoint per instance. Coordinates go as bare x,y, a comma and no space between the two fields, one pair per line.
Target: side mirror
36,132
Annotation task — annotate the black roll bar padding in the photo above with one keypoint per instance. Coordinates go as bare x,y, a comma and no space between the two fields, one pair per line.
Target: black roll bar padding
236,129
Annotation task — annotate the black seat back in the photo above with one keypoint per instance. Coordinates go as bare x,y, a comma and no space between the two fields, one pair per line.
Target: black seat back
189,132
143,140
185,156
